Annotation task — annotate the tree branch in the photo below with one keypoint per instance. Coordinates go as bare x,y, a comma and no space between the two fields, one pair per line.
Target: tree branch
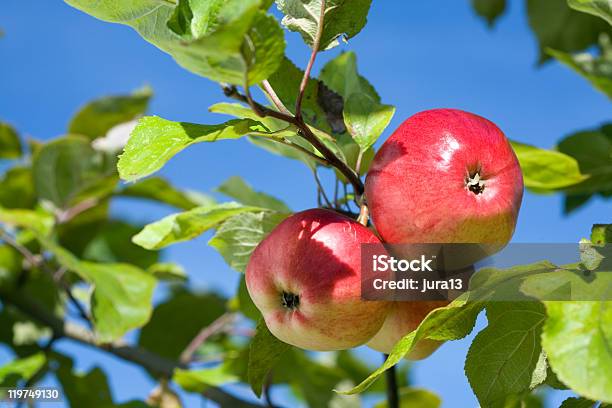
215,327
305,132
159,366
392,390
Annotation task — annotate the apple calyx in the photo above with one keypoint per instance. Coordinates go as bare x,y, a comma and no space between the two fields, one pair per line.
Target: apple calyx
474,183
290,301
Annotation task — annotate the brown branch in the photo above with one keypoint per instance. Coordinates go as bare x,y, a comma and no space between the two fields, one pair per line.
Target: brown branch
313,56
215,327
157,365
392,388
305,132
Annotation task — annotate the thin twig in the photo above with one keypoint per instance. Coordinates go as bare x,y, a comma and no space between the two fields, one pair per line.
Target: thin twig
215,327
336,193
310,154
392,389
313,56
321,189
155,364
37,261
303,131
358,163
274,97
67,215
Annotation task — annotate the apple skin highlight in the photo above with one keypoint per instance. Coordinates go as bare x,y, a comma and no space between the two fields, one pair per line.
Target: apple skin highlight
305,278
445,176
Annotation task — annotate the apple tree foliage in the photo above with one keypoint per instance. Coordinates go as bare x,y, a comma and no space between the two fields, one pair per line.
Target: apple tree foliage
71,269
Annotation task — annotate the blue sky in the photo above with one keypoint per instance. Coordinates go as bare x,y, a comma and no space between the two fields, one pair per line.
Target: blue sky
418,55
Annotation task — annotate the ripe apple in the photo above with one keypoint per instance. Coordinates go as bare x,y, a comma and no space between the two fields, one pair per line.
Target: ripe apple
445,176
305,278
404,317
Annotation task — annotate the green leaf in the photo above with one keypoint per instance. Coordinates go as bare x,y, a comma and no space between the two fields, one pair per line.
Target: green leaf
592,150
236,188
68,168
264,353
414,397
202,379
503,357
177,320
573,402
343,18
579,349
160,190
21,369
452,322
243,303
122,295
490,10
154,141
366,119
10,267
39,220
601,234
96,118
168,271
547,169
17,188
599,8
594,68
286,83
112,243
230,41
88,389
187,225
10,145
341,76
238,236
559,27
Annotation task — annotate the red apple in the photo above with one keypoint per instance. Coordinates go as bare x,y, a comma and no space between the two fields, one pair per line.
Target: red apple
403,318
445,176
305,278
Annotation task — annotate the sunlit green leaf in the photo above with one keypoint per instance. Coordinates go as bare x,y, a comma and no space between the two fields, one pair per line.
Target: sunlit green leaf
504,356
231,41
199,380
366,119
156,140
343,18
452,322
122,296
599,8
577,338
38,220
415,397
547,169
21,369
187,225
238,236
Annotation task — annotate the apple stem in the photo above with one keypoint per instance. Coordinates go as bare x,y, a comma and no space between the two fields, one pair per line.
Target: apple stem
392,389
364,215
